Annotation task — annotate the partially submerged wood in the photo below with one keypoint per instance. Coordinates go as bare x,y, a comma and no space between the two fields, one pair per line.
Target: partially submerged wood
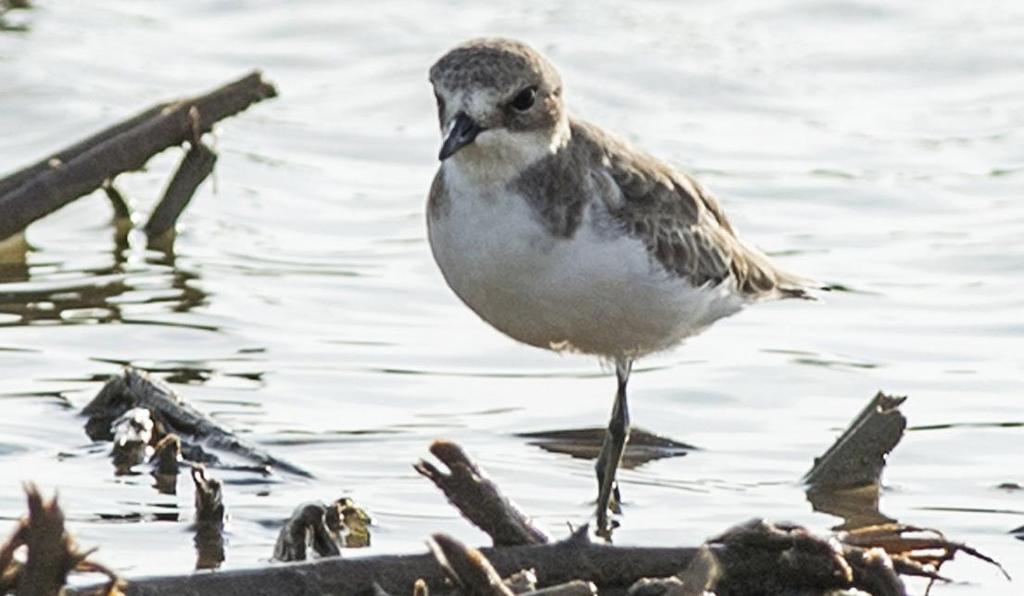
478,498
47,185
194,168
209,524
858,455
13,249
751,559
136,389
305,529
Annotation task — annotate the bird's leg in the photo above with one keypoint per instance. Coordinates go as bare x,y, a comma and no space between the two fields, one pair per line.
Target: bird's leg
611,451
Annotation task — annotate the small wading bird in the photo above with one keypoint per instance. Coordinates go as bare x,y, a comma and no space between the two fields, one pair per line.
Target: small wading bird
564,237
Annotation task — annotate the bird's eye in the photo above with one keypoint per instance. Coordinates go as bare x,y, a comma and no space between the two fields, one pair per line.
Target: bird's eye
524,99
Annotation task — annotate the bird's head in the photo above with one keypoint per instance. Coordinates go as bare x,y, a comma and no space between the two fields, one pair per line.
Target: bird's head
498,100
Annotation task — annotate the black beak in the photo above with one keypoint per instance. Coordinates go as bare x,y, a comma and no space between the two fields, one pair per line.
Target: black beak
463,131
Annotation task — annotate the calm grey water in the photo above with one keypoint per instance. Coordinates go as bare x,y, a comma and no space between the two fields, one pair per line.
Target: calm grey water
876,145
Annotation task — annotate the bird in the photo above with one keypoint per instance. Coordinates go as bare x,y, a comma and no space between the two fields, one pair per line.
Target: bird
565,237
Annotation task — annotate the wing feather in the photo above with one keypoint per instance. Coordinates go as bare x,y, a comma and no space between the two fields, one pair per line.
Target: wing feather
683,226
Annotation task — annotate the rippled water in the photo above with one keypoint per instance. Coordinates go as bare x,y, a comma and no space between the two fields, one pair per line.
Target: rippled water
875,145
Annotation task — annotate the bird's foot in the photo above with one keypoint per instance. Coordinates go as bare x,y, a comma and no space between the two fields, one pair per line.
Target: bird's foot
605,524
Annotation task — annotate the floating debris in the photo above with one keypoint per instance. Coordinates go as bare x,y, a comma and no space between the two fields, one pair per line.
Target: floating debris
170,413
132,433
305,529
348,523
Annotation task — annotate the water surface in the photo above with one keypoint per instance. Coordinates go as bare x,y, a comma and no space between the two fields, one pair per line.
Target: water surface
875,145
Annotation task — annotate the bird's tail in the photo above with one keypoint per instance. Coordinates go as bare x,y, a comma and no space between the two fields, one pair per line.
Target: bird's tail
795,286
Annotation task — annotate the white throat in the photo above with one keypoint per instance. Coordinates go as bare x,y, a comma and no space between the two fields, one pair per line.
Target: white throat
498,155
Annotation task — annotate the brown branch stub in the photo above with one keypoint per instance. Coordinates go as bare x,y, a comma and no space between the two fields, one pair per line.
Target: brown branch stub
52,553
467,567
40,189
478,498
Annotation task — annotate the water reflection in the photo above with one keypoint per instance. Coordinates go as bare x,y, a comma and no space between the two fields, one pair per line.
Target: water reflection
858,507
585,443
123,291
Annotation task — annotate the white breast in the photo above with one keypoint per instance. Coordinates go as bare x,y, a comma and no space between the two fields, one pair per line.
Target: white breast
596,292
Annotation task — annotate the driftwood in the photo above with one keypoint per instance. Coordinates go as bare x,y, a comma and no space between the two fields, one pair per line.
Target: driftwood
751,559
846,480
478,498
41,188
611,568
858,455
135,389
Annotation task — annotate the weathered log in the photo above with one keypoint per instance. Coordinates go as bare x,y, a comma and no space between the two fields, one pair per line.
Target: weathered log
44,187
611,568
136,389
858,455
478,498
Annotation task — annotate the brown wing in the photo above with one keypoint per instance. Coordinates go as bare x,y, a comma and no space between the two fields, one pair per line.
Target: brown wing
683,226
